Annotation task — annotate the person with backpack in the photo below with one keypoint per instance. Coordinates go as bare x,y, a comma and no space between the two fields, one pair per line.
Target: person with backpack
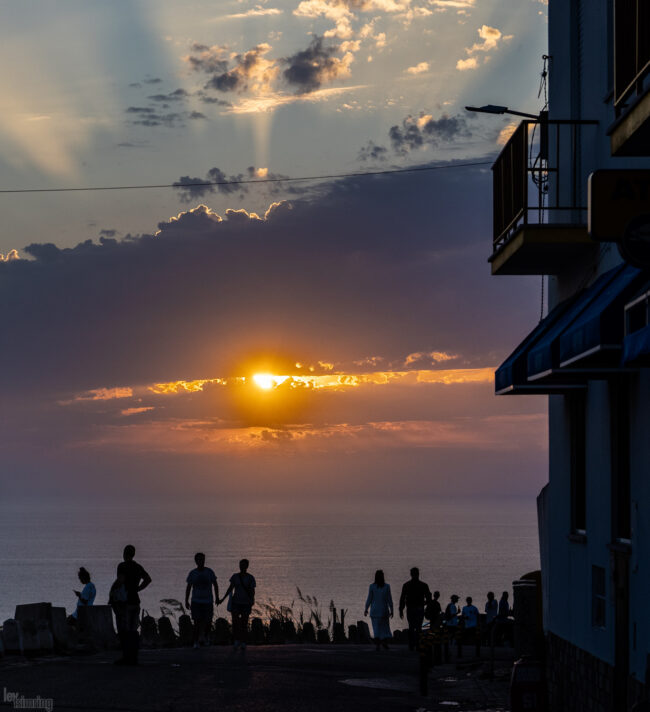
241,598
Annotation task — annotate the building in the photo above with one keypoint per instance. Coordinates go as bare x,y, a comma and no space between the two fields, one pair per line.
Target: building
572,203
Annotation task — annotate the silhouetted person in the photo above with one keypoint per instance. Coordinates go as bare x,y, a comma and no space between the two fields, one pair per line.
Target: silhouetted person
380,603
240,604
451,622
200,582
491,610
470,632
135,579
434,611
503,624
85,597
415,598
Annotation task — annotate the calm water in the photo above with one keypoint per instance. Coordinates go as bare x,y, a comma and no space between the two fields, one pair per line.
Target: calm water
330,551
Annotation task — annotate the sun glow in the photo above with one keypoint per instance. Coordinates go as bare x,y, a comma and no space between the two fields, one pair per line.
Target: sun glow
266,381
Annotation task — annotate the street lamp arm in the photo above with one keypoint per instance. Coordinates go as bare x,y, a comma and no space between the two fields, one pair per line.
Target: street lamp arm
494,109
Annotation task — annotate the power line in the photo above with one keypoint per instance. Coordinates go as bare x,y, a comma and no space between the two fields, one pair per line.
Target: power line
206,184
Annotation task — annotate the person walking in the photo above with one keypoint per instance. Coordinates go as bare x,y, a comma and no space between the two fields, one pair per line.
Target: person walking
491,610
470,633
380,604
415,597
503,622
200,582
434,611
85,597
241,597
135,579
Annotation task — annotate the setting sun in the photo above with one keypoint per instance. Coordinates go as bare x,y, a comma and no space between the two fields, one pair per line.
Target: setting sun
267,381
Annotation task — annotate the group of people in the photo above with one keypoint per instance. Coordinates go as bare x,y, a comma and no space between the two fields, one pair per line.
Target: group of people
131,579
419,603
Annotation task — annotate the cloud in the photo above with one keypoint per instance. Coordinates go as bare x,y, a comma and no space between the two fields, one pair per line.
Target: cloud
491,38
372,152
458,5
176,95
506,132
211,60
271,102
10,256
147,116
257,11
308,69
230,72
419,68
465,64
417,132
191,189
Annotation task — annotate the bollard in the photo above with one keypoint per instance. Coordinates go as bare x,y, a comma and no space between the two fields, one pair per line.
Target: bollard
148,632
221,631
289,631
323,636
363,631
338,633
185,630
95,625
276,635
353,634
308,633
528,686
257,634
166,632
12,637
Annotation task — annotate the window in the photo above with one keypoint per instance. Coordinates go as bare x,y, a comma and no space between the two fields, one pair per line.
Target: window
577,417
598,597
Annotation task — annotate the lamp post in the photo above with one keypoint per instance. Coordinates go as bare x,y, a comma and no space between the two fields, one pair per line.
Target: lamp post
494,109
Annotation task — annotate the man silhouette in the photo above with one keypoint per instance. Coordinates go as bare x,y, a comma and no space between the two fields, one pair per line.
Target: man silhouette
415,597
200,582
135,580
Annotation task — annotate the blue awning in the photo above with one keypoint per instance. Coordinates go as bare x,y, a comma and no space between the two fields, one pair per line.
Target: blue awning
596,336
511,377
544,357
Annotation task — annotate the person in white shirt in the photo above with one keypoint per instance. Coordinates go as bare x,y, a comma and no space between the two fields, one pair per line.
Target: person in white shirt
85,597
380,604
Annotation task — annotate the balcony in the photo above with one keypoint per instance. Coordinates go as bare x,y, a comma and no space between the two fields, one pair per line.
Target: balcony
539,200
630,133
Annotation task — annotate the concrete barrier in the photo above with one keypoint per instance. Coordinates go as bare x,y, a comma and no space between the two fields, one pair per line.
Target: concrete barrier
276,634
338,633
59,627
185,630
95,626
257,633
12,637
44,637
363,632
308,633
166,633
148,632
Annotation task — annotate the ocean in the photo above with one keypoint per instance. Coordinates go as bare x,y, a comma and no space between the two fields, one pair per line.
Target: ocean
329,550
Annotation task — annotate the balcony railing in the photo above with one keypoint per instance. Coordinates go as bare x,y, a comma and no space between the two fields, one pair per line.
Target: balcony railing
537,177
631,49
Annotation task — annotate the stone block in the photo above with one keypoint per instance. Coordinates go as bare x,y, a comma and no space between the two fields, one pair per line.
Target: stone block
221,632
363,631
276,635
166,633
95,625
12,637
185,630
60,628
289,631
308,633
338,633
44,637
353,634
149,632
323,636
258,633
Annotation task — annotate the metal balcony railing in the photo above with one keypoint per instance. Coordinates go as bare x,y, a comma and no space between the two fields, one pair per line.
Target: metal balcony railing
536,177
631,49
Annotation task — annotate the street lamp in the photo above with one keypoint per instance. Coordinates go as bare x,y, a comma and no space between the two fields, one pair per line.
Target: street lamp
493,109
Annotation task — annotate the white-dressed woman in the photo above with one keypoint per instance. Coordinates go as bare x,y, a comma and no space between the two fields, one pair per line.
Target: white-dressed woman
380,605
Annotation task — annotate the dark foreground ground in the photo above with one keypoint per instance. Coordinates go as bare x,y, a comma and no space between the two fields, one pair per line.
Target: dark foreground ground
283,678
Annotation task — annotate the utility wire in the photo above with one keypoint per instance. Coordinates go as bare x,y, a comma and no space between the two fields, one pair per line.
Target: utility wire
189,186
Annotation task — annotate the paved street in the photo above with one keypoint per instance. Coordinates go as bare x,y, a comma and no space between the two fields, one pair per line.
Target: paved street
271,678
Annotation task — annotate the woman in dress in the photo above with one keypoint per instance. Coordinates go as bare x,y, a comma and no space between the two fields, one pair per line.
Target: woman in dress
380,604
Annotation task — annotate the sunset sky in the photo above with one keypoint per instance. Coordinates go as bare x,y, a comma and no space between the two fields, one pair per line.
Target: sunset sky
305,338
